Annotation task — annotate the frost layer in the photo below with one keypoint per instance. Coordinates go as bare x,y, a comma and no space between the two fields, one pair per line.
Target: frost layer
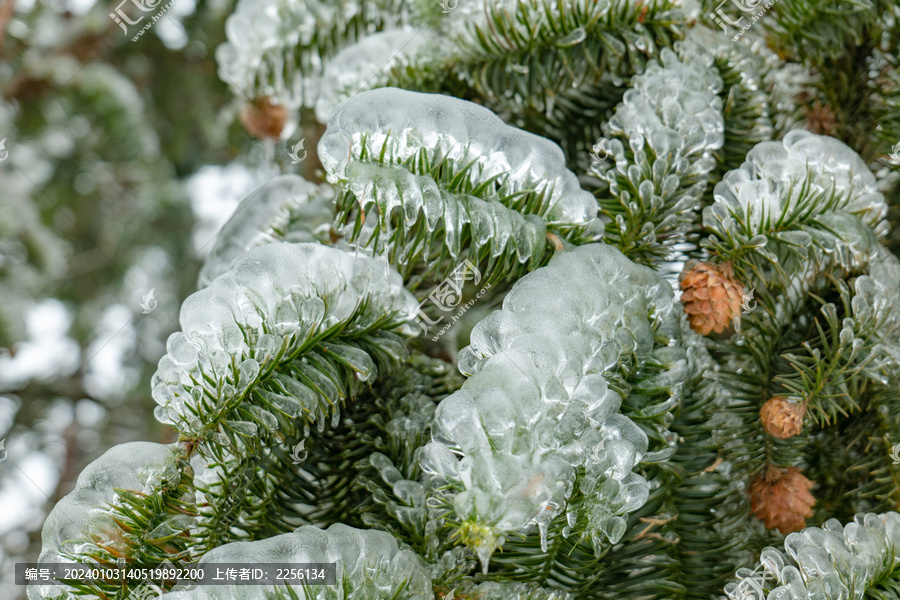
401,124
538,405
834,562
79,523
287,208
369,565
273,301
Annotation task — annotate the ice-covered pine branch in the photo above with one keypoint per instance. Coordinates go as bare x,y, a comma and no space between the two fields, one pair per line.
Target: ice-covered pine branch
431,181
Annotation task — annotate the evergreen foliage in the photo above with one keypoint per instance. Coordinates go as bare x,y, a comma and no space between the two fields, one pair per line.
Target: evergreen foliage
586,443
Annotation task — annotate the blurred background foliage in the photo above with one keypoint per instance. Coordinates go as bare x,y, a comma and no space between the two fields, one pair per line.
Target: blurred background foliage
109,188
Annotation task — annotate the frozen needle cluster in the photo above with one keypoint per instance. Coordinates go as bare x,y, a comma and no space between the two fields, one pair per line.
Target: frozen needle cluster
367,64
276,303
287,208
833,562
371,560
673,109
280,47
805,191
430,176
393,126
661,138
538,417
81,523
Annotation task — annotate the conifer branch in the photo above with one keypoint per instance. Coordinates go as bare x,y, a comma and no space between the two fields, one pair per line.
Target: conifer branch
479,191
664,135
555,47
557,496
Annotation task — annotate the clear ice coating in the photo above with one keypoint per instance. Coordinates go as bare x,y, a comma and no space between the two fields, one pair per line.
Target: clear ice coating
834,562
663,133
79,523
369,563
403,124
496,590
287,208
271,302
537,404
778,177
367,64
674,107
280,48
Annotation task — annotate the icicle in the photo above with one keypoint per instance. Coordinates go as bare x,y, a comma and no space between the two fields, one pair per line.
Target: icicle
542,527
484,553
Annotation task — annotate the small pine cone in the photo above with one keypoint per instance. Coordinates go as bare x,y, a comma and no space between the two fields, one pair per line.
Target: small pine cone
821,119
712,297
263,119
780,498
781,418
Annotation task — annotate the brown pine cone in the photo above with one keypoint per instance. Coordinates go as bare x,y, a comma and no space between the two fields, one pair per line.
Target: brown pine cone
781,498
821,119
712,296
781,418
264,119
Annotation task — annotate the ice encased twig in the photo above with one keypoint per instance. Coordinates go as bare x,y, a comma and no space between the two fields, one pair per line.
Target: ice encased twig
833,562
272,302
81,522
674,107
661,140
263,216
367,64
401,124
278,48
431,179
817,180
369,563
537,405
